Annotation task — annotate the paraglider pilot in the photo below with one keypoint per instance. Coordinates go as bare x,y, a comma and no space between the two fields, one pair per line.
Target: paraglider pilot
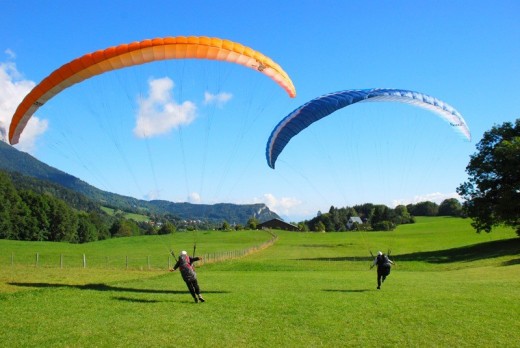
384,264
185,263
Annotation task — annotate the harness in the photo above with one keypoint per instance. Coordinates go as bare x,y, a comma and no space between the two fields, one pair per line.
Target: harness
185,263
383,265
186,268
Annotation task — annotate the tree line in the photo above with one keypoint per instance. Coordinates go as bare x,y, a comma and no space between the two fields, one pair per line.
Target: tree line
378,217
37,210
30,210
491,193
47,212
33,211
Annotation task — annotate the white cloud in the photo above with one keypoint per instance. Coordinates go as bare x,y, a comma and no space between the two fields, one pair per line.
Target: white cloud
10,54
153,194
194,197
32,131
13,88
282,205
436,197
218,99
3,132
159,113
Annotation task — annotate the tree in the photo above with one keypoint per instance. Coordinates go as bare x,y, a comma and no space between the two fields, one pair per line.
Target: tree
86,229
63,222
24,225
302,227
326,220
167,228
252,223
365,211
383,226
148,228
381,213
402,216
319,227
10,205
102,222
36,225
492,192
124,228
225,226
425,208
450,207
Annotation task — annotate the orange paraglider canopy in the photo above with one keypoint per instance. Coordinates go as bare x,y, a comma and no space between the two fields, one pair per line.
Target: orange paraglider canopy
135,53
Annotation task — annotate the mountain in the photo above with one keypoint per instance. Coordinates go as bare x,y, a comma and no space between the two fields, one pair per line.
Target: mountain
12,160
233,213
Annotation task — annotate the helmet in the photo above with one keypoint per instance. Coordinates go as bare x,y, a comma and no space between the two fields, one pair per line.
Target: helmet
379,253
184,252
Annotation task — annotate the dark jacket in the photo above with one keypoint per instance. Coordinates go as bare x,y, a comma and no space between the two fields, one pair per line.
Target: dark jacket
383,264
185,263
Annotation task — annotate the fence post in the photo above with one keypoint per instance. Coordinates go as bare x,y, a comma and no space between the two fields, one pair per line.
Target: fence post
61,260
37,258
12,259
84,261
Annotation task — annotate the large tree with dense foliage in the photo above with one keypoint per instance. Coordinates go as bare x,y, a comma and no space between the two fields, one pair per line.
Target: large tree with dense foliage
492,192
450,207
124,228
87,231
167,228
425,208
252,223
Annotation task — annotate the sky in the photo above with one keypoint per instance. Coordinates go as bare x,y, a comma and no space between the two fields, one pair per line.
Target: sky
196,130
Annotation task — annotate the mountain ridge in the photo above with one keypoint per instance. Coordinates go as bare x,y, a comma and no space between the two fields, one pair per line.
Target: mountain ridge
13,160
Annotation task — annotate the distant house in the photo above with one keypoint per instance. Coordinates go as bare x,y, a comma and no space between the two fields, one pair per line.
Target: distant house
277,224
354,220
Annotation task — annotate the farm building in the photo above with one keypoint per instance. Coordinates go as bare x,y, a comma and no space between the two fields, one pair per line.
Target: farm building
354,220
277,224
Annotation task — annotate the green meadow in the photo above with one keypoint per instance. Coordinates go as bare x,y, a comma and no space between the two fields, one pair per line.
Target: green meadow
135,217
450,287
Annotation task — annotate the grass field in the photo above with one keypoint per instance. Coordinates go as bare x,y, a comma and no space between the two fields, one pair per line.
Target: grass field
135,217
451,287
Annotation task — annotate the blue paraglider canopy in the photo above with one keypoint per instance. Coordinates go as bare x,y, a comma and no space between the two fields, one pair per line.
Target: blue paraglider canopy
325,105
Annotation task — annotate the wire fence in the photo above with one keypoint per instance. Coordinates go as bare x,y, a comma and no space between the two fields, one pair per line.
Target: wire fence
147,262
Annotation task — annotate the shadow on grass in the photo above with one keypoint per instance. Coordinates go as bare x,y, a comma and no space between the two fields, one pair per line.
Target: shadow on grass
511,262
481,251
105,287
345,290
134,300
326,245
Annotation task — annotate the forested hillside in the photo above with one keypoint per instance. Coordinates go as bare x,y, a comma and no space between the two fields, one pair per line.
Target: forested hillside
15,161
38,185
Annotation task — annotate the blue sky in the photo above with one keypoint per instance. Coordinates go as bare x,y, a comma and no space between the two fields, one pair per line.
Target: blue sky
466,55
